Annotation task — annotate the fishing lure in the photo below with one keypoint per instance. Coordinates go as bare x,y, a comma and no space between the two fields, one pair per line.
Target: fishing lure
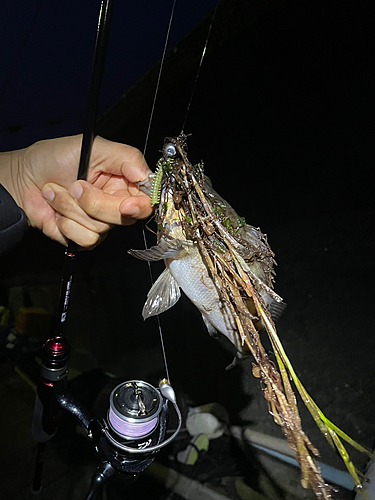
225,267
156,185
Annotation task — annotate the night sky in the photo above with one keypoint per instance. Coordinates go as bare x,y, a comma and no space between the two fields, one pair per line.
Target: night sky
46,57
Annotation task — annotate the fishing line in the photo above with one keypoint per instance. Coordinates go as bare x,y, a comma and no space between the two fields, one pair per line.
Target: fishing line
159,75
199,69
144,152
157,316
183,126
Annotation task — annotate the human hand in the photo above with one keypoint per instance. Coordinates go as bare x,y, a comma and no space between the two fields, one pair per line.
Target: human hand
42,180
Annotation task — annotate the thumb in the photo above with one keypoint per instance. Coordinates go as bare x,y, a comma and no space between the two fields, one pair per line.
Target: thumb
110,208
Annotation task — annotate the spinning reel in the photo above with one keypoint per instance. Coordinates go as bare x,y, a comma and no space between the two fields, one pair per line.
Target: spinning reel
126,440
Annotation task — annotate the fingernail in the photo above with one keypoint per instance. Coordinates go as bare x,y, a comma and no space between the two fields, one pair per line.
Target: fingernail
57,215
76,190
131,211
48,194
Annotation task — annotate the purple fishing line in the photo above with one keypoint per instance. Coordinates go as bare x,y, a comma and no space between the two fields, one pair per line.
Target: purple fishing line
131,429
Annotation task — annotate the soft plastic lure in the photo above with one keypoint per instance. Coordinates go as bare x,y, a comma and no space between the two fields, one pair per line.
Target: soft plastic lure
156,185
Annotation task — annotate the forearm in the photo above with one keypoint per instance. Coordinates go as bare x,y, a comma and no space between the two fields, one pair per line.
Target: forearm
13,221
9,171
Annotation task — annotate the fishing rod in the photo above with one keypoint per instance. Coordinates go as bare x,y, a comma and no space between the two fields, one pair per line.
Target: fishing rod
134,429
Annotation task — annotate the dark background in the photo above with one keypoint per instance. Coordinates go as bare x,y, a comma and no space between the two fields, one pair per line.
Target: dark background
283,118
46,56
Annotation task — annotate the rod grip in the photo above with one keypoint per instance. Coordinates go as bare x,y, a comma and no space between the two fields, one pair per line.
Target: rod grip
39,433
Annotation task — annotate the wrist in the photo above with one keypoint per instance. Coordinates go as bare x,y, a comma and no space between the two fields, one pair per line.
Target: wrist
10,175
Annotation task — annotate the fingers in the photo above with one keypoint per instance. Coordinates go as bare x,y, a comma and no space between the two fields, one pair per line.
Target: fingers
121,208
51,229
85,206
117,159
61,201
134,208
73,231
62,229
70,221
85,210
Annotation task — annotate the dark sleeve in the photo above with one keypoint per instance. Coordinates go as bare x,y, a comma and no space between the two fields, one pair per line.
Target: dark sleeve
13,221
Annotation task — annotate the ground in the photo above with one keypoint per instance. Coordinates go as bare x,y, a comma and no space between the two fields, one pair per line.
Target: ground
323,275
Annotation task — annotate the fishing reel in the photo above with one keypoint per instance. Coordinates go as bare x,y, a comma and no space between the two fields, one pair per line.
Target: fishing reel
126,440
136,420
133,430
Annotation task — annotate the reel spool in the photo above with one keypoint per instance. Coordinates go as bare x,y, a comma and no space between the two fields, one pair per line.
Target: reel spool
137,414
133,415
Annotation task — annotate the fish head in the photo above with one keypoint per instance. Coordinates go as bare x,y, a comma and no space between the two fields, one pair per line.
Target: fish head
175,148
172,211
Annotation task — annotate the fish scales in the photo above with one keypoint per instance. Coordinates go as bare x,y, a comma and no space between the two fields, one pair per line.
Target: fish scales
192,276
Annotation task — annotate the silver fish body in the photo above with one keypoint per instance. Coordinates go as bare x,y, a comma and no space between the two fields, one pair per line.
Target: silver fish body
192,276
186,268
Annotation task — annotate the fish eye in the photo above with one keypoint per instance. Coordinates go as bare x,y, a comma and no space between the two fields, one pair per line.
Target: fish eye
170,150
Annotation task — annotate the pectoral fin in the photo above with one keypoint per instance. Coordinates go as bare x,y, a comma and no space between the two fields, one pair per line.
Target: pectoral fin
164,293
167,248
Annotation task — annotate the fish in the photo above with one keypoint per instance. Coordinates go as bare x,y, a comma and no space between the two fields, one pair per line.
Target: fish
226,268
185,267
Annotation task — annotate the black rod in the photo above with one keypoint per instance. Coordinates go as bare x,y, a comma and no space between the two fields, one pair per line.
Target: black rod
95,85
37,481
87,141
67,275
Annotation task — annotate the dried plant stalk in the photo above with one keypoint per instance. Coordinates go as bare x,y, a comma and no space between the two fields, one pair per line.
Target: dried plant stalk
240,266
